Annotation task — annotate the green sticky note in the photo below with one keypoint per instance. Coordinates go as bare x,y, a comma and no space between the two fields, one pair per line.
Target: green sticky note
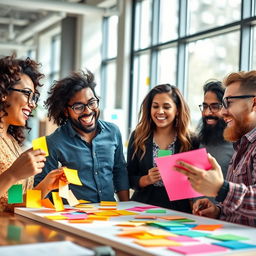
156,211
14,233
162,152
15,194
228,237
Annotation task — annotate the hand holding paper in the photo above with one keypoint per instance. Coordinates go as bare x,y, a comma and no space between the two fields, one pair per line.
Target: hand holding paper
176,184
208,183
40,143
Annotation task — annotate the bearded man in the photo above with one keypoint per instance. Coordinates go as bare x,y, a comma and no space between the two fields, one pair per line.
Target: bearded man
83,142
212,125
237,193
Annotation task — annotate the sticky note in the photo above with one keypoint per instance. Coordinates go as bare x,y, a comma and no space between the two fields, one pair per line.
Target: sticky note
80,221
33,199
94,217
162,152
108,203
208,227
63,189
72,199
172,217
46,202
56,217
156,211
227,237
40,143
198,248
177,184
58,204
191,233
235,245
156,242
15,194
72,176
183,239
151,217
129,224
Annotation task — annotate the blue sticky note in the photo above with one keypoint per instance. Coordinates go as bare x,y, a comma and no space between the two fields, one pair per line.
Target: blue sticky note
235,245
191,233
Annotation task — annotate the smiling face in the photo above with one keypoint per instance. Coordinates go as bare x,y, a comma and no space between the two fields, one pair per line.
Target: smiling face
211,117
86,122
163,111
19,109
240,115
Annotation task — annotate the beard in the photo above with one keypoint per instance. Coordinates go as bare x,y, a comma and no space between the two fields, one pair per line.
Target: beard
211,134
76,123
236,131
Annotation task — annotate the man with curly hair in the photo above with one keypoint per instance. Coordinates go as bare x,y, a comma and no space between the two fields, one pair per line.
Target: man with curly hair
85,143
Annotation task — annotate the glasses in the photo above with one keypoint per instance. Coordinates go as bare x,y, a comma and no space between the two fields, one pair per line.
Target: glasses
32,97
79,108
213,107
226,103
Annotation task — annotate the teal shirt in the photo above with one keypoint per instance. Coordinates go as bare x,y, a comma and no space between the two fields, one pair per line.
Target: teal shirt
101,165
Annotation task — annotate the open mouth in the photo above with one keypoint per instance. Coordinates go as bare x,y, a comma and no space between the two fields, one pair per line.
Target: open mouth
87,120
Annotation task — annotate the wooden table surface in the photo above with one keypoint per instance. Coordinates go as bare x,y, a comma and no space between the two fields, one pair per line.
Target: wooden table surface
15,229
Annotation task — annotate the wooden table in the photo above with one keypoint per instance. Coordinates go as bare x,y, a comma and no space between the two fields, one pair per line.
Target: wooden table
15,229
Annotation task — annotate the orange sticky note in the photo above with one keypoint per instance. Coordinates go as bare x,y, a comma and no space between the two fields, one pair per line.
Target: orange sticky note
58,204
33,199
47,203
172,217
72,176
150,217
72,199
107,208
208,227
84,201
94,217
107,213
108,203
129,224
156,242
40,143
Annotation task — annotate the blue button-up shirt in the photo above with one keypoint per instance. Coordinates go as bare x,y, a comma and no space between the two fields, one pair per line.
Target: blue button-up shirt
101,165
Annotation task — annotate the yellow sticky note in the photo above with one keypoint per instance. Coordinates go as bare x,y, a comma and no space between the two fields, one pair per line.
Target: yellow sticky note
58,204
156,242
33,199
125,212
72,199
40,143
56,217
108,203
72,176
84,201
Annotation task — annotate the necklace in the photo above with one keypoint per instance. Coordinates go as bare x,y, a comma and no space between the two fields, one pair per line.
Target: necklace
14,150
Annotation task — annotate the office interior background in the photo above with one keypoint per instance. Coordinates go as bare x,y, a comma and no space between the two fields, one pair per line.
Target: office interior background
130,46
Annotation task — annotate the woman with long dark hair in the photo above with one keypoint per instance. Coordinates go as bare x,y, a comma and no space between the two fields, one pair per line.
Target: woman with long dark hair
163,125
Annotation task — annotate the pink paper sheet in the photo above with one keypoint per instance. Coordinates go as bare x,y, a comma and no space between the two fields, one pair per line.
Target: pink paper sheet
198,248
176,184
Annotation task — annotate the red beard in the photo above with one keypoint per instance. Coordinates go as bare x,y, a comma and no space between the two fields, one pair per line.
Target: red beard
236,131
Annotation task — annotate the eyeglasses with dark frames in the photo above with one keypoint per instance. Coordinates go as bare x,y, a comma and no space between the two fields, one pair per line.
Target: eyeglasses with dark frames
225,101
213,107
32,97
79,108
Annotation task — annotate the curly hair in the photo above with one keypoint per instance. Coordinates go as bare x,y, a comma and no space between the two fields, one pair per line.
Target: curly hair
145,128
63,90
10,70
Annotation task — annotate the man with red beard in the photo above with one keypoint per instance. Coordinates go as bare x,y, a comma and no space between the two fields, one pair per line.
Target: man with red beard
212,125
237,194
85,143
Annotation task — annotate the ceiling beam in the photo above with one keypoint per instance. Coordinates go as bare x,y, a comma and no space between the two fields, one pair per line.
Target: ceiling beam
56,6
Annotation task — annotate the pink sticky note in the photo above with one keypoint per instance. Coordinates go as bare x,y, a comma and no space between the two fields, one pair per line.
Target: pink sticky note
198,248
182,239
177,184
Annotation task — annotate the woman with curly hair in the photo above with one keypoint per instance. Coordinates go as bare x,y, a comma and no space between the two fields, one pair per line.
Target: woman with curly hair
163,125
19,82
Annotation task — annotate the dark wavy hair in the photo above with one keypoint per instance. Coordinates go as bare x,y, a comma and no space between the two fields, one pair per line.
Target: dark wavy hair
63,90
146,126
10,70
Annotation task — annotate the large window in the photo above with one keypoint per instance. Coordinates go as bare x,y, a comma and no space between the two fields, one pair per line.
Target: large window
206,14
210,58
188,42
254,49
